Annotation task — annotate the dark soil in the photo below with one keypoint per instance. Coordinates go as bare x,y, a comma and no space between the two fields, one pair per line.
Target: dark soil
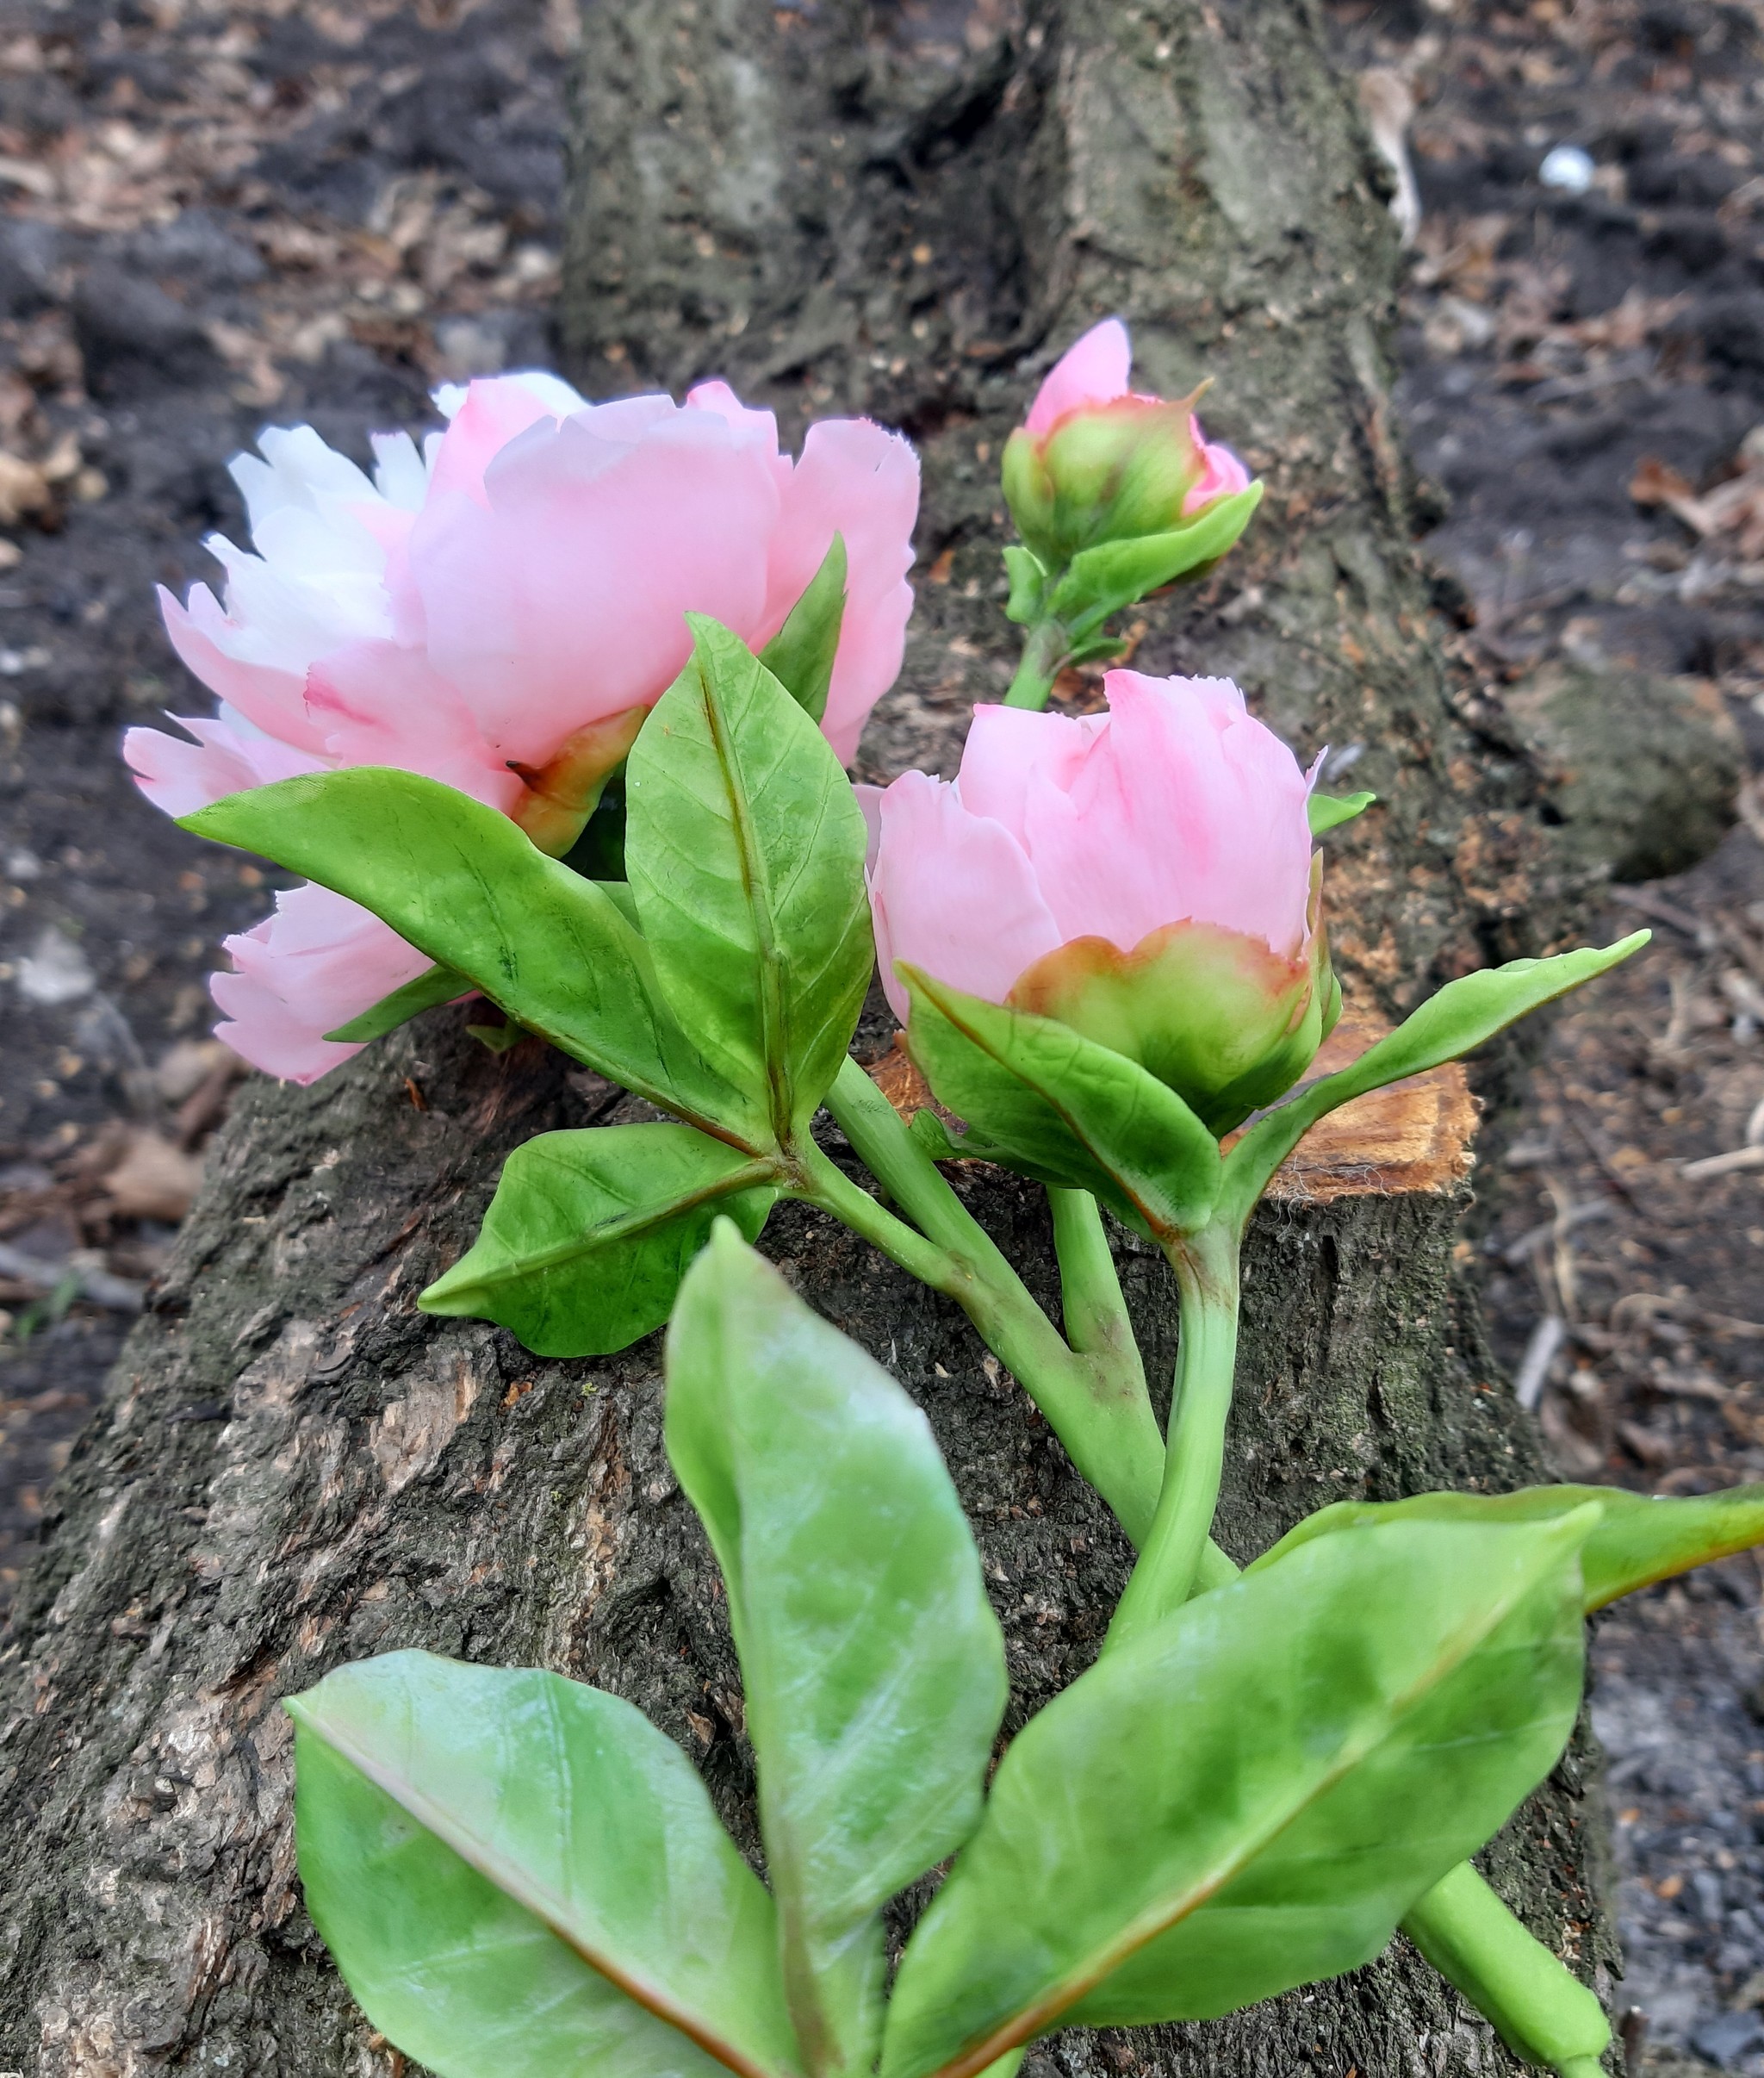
217,217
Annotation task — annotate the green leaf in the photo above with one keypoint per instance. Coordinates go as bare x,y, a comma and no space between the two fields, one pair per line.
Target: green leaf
872,1665
1064,1109
1028,584
1455,1021
1638,1539
745,848
1100,580
520,1877
800,655
590,1233
1330,810
466,886
498,1038
1250,1795
439,985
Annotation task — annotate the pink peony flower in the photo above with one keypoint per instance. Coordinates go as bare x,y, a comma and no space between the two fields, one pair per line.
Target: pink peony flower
1097,461
1146,876
497,610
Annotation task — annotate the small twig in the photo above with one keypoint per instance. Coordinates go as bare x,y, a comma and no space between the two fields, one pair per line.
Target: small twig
1564,1223
1662,911
1725,1165
117,1294
1547,1337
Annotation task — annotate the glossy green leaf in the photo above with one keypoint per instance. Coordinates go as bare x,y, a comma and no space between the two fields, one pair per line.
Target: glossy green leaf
1638,1539
466,886
1064,1109
426,992
590,1233
521,1876
1459,1017
1330,810
800,655
1250,1795
872,1665
1100,581
501,1038
745,847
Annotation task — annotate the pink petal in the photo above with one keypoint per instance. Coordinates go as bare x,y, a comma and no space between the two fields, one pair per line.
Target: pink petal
1006,750
561,599
180,777
1186,808
759,429
380,704
856,480
494,411
953,892
313,965
1222,475
1092,371
274,699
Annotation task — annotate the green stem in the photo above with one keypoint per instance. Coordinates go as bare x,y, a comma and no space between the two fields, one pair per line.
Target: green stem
1044,655
1206,1276
1100,1410
1095,1316
1535,2003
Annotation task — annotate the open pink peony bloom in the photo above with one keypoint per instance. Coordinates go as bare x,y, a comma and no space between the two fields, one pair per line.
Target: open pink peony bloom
1146,876
1097,461
497,610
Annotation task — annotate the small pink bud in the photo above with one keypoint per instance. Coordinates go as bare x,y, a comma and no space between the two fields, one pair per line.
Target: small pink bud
1146,876
1095,461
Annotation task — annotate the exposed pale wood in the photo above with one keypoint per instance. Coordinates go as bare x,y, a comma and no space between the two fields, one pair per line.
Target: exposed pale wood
1417,1135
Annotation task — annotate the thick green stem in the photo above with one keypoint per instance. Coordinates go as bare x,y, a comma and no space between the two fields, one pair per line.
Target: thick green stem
1045,651
1206,1276
1095,1316
1534,2002
1109,1433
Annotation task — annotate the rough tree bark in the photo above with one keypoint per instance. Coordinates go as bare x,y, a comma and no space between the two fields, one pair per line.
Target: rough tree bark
903,212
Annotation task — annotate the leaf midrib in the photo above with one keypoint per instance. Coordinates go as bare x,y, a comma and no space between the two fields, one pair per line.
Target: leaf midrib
495,1869
1142,1931
638,1220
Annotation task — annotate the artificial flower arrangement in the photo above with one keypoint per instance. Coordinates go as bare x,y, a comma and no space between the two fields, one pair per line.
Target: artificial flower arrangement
555,712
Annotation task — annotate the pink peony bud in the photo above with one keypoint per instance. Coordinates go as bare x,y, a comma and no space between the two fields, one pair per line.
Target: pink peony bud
1145,877
1095,461
498,609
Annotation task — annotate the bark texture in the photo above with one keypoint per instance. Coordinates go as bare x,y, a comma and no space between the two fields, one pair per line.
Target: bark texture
296,1468
903,210
910,207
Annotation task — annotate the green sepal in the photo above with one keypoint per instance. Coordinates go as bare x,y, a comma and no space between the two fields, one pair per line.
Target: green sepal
1459,1018
1101,650
498,1038
872,1665
590,1232
520,1875
1251,1795
1028,584
1100,580
464,885
744,845
1638,1539
800,656
1330,810
424,992
1056,1106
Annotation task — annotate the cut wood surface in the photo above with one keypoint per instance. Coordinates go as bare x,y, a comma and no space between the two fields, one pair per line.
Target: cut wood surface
1417,1135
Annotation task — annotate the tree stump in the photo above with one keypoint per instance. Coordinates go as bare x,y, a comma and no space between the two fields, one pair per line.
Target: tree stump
296,1467
903,209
